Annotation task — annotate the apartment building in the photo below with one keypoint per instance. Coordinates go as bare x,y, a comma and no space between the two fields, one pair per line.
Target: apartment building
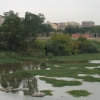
88,23
72,24
54,25
62,25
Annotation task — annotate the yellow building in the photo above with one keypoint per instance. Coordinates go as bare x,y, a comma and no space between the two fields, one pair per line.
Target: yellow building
71,23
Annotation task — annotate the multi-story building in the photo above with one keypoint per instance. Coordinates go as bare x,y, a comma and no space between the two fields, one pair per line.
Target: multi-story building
88,23
1,19
62,25
71,23
54,25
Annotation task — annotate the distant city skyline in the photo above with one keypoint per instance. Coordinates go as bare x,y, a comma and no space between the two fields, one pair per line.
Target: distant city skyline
56,10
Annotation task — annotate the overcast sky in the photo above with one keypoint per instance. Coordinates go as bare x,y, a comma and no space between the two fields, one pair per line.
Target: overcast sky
56,10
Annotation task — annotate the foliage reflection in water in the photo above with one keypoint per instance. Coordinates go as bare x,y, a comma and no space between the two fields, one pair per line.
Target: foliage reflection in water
20,82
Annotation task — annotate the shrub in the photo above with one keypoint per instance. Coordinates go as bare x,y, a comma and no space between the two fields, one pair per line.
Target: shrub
2,54
50,55
59,45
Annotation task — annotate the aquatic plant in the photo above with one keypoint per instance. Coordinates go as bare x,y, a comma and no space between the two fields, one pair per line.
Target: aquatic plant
60,83
47,92
78,93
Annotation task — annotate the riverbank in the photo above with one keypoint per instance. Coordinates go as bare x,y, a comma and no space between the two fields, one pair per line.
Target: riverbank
15,58
64,66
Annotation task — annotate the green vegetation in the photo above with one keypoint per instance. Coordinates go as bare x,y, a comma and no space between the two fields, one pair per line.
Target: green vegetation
47,92
64,66
20,35
90,79
9,60
93,30
66,57
60,83
79,93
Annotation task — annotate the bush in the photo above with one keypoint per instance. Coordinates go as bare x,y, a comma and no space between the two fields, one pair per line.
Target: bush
2,54
50,55
38,53
12,54
59,45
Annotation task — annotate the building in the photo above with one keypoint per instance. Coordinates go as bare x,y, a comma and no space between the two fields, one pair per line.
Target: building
54,25
88,23
62,25
1,19
77,35
71,23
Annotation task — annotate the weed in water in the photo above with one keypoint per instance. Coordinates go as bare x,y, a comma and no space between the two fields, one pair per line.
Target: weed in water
79,93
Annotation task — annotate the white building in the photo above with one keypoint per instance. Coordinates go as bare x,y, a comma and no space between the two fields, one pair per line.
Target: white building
1,19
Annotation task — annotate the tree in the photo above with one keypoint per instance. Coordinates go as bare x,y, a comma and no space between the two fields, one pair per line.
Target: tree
31,26
10,32
85,46
45,29
60,45
42,17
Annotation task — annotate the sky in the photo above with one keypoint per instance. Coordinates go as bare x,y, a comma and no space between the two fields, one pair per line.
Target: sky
56,10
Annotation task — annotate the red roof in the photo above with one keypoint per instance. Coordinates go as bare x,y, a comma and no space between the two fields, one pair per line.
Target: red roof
78,35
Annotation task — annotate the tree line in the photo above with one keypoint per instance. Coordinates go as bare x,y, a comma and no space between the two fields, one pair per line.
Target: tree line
20,35
93,30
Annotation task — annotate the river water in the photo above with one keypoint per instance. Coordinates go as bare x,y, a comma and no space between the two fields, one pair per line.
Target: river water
35,84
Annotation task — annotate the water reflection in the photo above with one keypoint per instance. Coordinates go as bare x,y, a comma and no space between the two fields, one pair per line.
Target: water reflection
31,65
20,82
67,62
13,67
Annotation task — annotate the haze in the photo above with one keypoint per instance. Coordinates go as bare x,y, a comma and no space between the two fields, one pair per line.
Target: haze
56,10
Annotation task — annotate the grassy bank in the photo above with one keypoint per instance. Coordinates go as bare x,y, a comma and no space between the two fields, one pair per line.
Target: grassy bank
14,57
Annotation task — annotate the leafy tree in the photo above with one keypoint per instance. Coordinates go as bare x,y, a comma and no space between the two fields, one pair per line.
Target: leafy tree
31,26
85,46
45,29
69,29
75,47
10,32
61,44
42,17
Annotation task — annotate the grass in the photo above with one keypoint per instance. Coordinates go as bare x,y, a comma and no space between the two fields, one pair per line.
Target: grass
65,69
60,83
9,60
90,79
79,57
79,93
47,92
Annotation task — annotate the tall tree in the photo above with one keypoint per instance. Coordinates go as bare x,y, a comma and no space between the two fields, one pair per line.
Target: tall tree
31,27
10,31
